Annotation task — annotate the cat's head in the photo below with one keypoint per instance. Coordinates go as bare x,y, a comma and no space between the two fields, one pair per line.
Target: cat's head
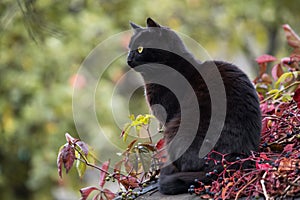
153,44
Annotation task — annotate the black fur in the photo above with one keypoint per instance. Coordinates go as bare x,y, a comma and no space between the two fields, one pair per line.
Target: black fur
241,131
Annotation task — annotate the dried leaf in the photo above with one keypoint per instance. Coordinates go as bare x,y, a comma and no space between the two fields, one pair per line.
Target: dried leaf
150,147
129,147
276,147
287,164
129,182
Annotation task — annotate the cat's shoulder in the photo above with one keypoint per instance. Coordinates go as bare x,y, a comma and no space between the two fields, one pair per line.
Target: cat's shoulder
225,68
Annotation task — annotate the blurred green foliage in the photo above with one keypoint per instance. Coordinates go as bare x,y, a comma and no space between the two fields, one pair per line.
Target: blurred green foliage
43,42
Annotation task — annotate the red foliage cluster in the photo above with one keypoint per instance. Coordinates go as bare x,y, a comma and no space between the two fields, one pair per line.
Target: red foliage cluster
277,165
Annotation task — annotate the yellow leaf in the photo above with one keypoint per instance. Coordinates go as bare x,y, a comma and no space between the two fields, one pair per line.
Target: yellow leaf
282,78
273,91
131,117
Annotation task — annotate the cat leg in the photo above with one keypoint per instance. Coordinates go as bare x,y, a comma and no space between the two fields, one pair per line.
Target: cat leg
173,182
179,182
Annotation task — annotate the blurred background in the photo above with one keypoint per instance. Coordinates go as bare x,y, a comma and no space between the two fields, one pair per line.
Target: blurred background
44,42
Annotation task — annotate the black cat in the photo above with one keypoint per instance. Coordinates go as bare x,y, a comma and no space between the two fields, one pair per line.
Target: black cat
179,91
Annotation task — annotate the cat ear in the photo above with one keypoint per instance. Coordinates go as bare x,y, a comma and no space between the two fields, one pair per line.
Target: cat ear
152,23
135,26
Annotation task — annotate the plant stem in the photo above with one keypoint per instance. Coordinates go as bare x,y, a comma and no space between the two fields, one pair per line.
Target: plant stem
287,87
262,182
89,164
241,190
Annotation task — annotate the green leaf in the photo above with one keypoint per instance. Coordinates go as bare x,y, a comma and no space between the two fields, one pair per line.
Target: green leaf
138,129
286,98
126,131
91,157
81,168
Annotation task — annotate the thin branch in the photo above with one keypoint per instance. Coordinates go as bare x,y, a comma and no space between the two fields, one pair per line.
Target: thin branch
262,182
280,91
289,186
242,189
89,164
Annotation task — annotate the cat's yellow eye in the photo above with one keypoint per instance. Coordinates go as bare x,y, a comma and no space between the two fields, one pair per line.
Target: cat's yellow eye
140,49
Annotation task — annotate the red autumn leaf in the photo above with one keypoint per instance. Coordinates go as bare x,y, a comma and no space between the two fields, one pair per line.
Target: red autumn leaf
85,192
267,108
296,97
67,157
293,40
262,62
277,71
289,147
109,194
264,156
291,37
84,147
263,166
264,126
286,61
98,196
103,173
160,144
265,59
59,164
